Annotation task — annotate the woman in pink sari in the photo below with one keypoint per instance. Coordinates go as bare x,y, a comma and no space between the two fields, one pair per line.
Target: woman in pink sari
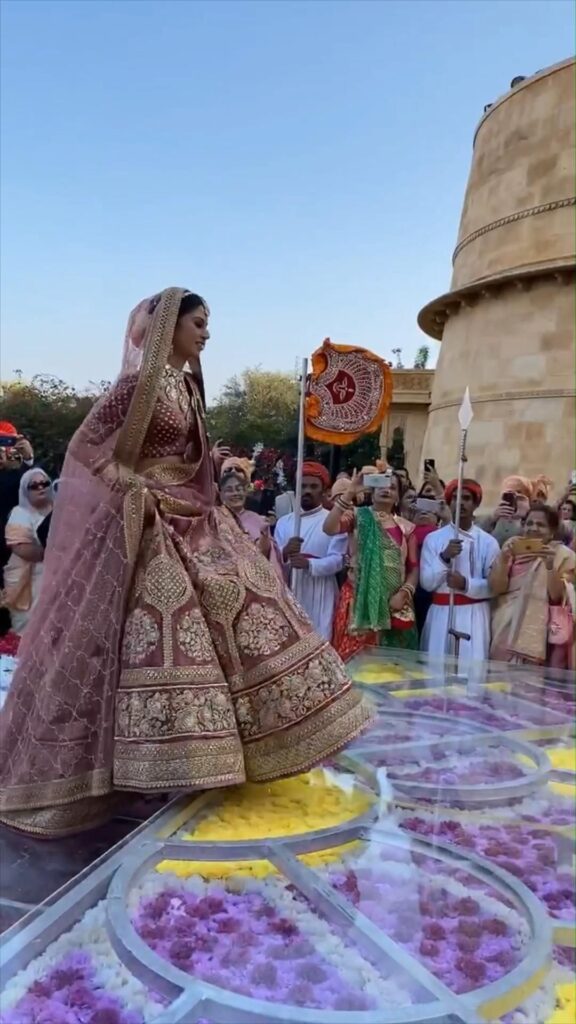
534,591
234,483
164,652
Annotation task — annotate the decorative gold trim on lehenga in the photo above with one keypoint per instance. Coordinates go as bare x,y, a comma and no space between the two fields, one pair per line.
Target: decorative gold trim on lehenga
179,764
316,738
157,347
58,791
65,819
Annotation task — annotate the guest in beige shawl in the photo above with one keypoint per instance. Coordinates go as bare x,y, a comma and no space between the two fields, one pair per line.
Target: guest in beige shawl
23,572
529,585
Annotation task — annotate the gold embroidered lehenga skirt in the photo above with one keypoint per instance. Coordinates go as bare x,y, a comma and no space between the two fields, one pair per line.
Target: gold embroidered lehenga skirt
221,679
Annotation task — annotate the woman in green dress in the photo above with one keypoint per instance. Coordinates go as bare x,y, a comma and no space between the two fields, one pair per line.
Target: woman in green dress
376,606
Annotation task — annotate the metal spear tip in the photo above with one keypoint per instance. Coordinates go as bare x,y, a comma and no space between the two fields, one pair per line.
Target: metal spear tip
466,412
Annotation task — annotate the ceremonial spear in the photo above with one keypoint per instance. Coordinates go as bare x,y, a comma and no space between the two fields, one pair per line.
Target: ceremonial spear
300,454
465,417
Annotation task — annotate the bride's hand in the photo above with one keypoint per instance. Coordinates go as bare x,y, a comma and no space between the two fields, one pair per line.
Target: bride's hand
220,453
111,475
118,478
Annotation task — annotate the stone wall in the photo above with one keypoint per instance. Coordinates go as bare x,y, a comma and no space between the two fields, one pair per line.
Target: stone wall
507,325
409,410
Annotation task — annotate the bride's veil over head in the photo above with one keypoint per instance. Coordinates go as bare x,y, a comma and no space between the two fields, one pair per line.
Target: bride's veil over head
57,727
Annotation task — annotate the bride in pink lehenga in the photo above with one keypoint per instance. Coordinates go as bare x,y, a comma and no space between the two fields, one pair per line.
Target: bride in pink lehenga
164,652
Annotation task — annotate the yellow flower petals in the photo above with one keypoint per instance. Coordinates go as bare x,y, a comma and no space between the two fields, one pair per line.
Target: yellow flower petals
562,759
454,690
565,1012
306,803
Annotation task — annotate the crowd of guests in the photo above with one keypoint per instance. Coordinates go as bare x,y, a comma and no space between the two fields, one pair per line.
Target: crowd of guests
381,566
26,500
372,566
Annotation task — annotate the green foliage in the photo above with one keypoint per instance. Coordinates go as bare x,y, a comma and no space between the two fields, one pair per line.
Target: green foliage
256,405
363,452
422,357
48,412
395,454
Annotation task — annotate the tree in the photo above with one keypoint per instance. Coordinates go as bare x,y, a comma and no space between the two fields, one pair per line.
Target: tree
256,406
48,412
395,454
422,357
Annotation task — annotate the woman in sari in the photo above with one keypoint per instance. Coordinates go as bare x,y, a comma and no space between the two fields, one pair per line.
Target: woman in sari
164,653
376,606
234,481
535,591
23,571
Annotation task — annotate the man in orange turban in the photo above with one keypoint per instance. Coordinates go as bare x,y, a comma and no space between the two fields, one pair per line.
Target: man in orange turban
472,486
313,560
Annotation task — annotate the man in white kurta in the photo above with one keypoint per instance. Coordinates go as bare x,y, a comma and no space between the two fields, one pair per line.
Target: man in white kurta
312,560
461,565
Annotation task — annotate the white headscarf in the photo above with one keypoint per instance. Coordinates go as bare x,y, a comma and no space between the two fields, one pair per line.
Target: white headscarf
23,494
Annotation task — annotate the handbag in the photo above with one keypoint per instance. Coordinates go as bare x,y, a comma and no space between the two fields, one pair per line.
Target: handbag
404,619
560,624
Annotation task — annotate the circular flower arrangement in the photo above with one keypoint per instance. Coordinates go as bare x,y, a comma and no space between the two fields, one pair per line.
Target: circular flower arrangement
79,980
242,927
460,709
552,807
317,800
466,940
527,853
257,939
391,730
440,766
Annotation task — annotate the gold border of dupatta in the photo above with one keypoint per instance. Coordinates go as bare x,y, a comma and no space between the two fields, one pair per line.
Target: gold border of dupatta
157,346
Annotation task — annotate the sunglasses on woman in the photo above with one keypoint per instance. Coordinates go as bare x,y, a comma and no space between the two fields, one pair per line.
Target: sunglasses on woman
40,485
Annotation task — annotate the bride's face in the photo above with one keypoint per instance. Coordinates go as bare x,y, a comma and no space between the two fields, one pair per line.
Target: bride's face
190,336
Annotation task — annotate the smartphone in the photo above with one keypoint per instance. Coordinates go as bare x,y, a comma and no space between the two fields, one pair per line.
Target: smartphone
428,505
374,480
509,498
8,440
429,465
528,545
573,478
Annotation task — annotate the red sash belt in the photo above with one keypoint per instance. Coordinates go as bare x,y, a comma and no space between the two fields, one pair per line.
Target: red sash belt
459,599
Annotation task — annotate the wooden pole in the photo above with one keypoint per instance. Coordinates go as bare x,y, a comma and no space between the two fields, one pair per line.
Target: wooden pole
301,441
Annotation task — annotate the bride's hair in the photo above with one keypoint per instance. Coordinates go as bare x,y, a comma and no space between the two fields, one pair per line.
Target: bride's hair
190,302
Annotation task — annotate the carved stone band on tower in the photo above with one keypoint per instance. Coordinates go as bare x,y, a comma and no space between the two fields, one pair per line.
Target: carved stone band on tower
507,323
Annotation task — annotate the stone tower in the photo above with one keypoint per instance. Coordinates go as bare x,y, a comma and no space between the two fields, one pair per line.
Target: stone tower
507,323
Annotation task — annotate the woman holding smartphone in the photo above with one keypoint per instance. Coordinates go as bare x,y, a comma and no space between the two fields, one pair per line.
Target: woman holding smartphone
533,579
376,604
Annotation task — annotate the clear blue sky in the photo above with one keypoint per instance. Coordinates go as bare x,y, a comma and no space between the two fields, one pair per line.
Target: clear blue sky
301,164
